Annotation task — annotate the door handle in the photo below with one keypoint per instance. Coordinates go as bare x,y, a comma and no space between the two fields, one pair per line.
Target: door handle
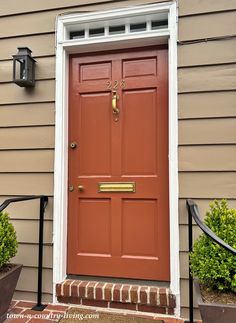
81,188
114,99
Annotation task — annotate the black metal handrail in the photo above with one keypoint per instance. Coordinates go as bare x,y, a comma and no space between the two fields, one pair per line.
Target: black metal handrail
193,212
43,203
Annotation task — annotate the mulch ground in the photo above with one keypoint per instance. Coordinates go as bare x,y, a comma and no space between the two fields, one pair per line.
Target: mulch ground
214,296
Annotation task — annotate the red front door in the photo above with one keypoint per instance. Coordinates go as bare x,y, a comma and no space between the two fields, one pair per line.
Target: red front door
118,221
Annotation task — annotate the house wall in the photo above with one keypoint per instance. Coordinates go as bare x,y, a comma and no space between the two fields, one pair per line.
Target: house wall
207,117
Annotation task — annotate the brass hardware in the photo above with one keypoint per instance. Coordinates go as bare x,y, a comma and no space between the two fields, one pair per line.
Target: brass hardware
71,188
109,85
116,187
115,85
81,188
73,145
115,97
122,84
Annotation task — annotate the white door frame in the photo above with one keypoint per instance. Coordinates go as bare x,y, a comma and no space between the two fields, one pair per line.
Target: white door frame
64,47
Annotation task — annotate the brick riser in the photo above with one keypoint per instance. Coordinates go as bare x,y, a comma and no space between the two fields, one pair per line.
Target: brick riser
121,296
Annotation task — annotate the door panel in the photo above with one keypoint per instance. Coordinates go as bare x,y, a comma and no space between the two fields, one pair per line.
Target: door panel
139,109
93,72
141,67
119,234
139,221
92,241
95,126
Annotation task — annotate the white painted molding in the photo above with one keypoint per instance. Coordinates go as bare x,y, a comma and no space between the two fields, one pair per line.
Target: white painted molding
64,47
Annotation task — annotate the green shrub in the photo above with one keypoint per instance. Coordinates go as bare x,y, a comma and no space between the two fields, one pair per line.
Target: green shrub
213,265
8,241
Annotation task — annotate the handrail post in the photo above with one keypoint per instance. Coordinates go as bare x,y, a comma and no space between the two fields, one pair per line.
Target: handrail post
39,306
43,204
190,247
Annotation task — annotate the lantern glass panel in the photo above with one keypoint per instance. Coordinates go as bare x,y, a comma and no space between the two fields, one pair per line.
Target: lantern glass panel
20,69
30,68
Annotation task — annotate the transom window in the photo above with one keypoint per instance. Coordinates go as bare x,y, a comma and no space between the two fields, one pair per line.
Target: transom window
119,26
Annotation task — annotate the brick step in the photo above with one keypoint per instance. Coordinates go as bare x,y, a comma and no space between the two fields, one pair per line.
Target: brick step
113,295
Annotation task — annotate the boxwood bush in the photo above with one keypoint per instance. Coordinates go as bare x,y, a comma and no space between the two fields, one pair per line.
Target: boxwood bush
213,265
8,241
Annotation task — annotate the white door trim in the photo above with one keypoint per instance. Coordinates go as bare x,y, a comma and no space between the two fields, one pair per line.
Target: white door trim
64,47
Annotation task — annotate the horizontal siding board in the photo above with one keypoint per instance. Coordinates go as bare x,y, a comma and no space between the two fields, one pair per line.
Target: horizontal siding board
45,69
44,22
203,206
27,137
28,6
207,131
184,312
207,185
27,114
27,231
9,7
191,7
30,296
205,53
44,91
184,263
184,300
28,256
207,26
206,158
28,280
26,161
201,105
41,45
210,78
26,184
184,236
28,209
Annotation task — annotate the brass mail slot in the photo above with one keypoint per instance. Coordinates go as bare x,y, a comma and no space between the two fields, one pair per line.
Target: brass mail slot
116,187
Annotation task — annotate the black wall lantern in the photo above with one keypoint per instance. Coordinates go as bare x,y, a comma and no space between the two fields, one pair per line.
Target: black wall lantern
24,67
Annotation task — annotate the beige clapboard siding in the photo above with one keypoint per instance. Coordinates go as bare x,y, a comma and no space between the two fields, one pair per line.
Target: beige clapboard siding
203,158
27,137
41,22
206,53
28,230
26,184
44,91
191,7
184,261
207,131
202,105
27,209
208,78
26,161
32,296
44,22
207,26
28,256
45,69
32,114
184,312
28,280
184,292
207,185
9,8
203,206
41,45
28,6
184,237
